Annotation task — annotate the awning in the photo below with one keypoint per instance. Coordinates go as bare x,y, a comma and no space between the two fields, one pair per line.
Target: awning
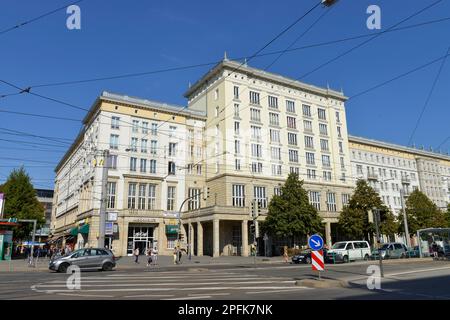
171,228
74,231
84,229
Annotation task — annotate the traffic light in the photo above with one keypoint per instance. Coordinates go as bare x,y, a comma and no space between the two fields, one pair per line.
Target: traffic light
252,228
254,213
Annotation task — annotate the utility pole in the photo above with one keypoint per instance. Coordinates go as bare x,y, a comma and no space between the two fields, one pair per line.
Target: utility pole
254,226
103,200
405,218
377,220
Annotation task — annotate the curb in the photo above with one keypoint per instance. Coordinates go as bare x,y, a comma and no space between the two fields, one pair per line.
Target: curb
322,283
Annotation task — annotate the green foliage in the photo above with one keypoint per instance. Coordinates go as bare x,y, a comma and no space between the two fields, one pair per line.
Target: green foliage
21,202
422,213
354,219
291,214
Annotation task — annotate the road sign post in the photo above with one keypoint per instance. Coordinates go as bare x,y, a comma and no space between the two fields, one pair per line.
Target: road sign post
315,242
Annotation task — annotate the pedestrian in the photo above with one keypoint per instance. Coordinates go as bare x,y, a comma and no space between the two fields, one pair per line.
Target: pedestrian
136,255
175,258
285,254
148,253
179,256
155,255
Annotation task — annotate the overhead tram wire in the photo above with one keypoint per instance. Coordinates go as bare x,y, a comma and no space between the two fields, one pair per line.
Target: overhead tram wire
369,40
21,24
430,93
443,143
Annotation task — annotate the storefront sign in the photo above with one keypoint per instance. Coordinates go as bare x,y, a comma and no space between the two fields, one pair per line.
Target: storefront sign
115,228
145,220
109,228
112,216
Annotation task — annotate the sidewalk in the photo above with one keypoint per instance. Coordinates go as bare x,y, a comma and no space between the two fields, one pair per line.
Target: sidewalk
164,262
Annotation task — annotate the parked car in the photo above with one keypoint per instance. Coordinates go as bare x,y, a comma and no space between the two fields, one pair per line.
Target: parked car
305,256
391,250
92,258
346,251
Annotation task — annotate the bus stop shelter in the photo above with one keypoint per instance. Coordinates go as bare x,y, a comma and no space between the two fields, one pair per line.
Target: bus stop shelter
432,239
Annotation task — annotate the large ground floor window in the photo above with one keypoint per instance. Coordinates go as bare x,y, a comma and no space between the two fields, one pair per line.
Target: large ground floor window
140,237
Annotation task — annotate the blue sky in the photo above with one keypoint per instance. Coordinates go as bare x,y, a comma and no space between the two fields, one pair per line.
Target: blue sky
133,36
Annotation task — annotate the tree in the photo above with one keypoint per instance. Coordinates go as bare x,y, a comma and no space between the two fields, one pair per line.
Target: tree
21,202
422,213
354,219
290,214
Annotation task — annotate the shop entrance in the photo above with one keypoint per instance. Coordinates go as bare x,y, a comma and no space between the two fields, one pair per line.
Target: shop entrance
141,237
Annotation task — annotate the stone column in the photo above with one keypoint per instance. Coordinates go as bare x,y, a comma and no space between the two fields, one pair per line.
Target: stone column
199,239
216,243
328,233
191,238
244,237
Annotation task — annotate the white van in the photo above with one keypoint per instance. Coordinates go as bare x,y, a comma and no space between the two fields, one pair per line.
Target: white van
346,251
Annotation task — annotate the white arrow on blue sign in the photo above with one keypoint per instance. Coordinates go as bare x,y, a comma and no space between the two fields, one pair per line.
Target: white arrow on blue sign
315,242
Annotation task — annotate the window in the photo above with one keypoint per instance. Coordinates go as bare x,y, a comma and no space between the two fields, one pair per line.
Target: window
216,94
276,170
236,128
307,125
152,166
255,115
111,195
256,132
276,153
171,167
293,156
277,191
236,92
273,102
154,129
345,199
290,106
342,163
236,110
326,161
151,197
114,141
237,164
327,175
153,146
341,148
339,132
145,127
310,158
194,202
237,147
259,194
292,139
170,198
294,170
314,199
141,196
331,202
324,145
274,136
257,167
133,163
144,145
256,150
115,122
216,113
172,149
309,142
274,119
112,161
238,195
132,196
291,123
144,165
135,127
311,174
254,97
306,110
337,117
133,146
323,129
322,114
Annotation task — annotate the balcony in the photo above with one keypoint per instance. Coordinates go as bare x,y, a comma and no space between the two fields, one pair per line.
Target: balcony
371,176
406,180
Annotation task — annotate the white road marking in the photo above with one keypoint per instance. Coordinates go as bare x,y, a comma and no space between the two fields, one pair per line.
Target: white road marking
416,271
211,294
150,296
190,298
278,291
84,295
174,289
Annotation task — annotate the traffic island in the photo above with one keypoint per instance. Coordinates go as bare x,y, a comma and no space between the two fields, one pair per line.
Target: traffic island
322,283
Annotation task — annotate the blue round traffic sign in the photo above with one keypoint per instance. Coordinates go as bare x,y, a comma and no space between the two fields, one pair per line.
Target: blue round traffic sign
315,242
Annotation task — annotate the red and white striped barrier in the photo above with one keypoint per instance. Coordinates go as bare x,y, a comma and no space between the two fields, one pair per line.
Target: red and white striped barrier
317,260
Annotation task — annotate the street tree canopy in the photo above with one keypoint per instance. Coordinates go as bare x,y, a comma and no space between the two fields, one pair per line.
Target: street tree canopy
21,202
354,219
290,214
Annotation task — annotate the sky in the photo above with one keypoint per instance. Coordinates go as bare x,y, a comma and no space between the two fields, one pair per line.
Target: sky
121,37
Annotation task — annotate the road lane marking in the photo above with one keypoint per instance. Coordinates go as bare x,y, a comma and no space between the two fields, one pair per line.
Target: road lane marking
278,291
190,298
150,296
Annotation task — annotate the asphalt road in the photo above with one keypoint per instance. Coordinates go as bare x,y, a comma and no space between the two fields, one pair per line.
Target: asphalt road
403,280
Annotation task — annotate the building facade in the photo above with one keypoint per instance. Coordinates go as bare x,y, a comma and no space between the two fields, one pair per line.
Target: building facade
45,197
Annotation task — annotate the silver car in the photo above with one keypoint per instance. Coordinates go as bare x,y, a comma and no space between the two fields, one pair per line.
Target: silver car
91,258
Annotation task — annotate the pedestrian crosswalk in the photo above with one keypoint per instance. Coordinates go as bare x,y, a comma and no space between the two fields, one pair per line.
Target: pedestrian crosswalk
185,285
